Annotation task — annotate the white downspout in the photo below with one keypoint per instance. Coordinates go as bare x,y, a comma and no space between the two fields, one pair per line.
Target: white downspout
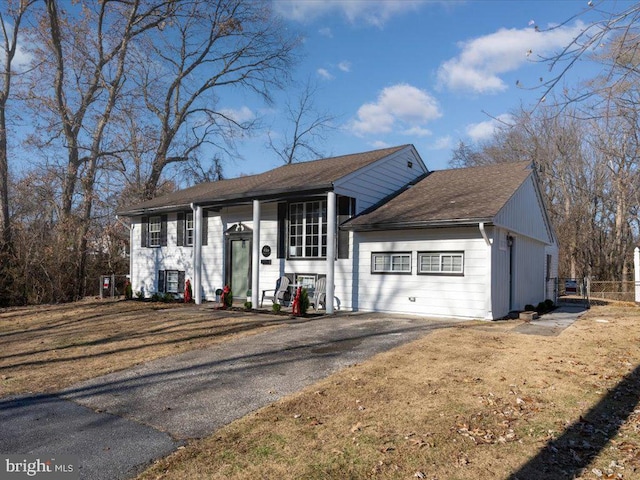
332,220
488,281
484,234
197,253
255,259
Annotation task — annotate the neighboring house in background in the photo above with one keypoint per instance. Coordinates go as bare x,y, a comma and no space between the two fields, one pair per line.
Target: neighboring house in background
386,233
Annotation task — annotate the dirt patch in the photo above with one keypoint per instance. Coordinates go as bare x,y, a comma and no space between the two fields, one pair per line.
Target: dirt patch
43,349
470,402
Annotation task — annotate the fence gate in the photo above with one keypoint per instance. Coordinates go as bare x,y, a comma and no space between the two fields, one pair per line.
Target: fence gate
573,290
112,286
107,288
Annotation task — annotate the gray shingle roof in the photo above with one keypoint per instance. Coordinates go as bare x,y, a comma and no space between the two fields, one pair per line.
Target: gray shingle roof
297,177
448,196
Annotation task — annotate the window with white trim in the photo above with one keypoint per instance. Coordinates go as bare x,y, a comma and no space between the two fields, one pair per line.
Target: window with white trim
172,281
391,262
155,231
188,229
447,263
308,229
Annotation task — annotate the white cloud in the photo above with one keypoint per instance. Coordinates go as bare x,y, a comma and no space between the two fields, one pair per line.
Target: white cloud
241,115
345,66
379,144
324,73
370,12
482,60
326,32
484,130
402,104
442,143
416,131
22,57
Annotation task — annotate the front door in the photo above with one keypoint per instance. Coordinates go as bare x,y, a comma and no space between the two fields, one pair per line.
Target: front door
240,262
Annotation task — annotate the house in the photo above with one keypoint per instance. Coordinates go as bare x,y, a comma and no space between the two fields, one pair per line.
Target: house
387,234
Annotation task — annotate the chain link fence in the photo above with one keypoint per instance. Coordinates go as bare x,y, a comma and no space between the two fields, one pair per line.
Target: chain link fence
589,290
612,290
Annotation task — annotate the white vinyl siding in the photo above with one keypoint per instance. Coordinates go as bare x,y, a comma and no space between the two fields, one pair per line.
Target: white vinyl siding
463,296
374,182
523,214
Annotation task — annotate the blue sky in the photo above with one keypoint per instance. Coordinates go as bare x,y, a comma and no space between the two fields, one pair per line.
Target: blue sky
420,72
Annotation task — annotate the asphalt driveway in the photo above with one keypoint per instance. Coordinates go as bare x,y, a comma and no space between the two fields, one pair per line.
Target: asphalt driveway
115,425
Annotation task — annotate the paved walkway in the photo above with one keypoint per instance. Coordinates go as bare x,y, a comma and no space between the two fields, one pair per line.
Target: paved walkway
553,323
119,423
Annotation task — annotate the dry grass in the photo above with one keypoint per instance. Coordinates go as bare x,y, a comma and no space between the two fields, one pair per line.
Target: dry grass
464,403
43,349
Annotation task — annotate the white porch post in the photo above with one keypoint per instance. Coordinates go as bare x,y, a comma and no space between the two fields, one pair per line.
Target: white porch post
331,250
255,259
636,264
197,254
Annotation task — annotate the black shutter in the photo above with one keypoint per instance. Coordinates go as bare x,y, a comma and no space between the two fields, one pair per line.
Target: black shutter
181,281
346,209
163,230
205,227
161,281
282,230
144,225
180,240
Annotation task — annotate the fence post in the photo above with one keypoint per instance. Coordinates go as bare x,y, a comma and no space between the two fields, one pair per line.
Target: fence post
636,264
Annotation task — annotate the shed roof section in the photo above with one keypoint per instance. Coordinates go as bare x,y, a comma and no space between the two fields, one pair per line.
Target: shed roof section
462,195
297,177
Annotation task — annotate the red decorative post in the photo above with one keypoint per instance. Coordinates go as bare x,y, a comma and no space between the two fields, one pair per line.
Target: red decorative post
295,310
187,291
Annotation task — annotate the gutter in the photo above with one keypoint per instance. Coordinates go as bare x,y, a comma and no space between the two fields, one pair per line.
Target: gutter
244,198
463,222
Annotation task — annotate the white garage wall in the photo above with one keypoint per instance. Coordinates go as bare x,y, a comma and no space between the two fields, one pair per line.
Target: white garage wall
434,295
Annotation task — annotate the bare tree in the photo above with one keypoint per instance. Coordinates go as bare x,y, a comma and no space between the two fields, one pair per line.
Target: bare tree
89,53
11,16
307,127
206,48
10,23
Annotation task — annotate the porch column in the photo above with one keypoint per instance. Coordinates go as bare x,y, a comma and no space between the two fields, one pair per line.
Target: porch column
331,249
255,258
197,254
636,264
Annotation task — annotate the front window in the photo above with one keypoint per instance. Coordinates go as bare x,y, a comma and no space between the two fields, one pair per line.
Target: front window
155,224
172,281
450,263
188,228
308,230
391,263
